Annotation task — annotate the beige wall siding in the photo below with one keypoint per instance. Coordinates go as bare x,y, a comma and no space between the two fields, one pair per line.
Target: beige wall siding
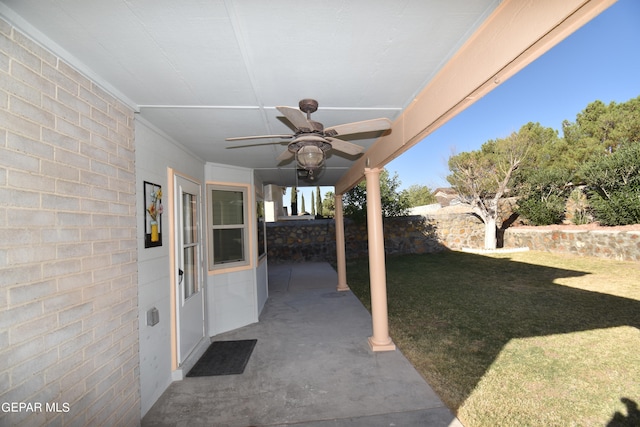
68,264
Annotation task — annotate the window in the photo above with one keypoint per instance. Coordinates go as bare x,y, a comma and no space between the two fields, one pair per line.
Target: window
228,226
262,245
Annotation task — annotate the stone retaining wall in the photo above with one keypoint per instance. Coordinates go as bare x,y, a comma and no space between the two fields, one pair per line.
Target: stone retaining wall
314,240
609,244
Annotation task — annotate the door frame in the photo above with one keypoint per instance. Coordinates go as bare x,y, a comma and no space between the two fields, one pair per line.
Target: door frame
178,366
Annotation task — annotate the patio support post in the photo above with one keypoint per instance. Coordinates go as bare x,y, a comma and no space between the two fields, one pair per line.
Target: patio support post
380,341
340,248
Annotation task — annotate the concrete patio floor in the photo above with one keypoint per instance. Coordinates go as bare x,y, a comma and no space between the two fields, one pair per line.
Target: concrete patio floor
311,366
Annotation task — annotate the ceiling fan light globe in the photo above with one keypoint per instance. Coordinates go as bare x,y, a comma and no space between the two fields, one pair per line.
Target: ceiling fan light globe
310,157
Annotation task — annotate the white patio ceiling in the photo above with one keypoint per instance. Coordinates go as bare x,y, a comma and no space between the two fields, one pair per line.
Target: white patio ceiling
205,70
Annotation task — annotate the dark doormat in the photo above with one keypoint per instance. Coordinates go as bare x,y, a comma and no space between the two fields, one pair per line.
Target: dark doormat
223,358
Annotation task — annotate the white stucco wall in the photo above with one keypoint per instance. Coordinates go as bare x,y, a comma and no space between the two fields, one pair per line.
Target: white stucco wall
155,152
233,296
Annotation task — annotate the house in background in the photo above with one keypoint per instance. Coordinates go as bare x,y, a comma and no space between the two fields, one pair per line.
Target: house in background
111,111
446,196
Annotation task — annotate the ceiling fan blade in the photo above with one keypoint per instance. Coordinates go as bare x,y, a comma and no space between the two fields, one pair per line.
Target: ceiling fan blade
345,147
257,144
285,155
296,117
241,138
359,127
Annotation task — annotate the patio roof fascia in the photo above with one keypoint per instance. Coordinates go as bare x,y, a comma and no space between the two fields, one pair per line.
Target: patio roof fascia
516,33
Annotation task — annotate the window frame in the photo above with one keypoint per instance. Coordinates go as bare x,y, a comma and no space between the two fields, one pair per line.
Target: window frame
261,229
245,227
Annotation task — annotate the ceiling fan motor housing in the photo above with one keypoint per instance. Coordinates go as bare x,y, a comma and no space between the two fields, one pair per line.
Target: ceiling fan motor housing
308,106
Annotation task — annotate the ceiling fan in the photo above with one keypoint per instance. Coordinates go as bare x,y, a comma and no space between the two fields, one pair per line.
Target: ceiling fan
311,140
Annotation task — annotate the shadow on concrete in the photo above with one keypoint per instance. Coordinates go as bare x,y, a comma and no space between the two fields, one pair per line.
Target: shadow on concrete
312,366
475,316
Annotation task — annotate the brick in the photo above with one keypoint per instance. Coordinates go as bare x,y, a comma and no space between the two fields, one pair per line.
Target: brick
61,203
33,366
40,52
63,83
118,113
16,160
63,334
30,181
95,179
94,152
71,158
60,110
63,141
19,198
100,207
60,235
73,219
20,54
17,87
33,329
68,157
73,188
73,74
75,131
102,94
94,378
30,218
20,125
30,146
23,351
104,194
92,99
5,28
62,300
74,313
104,168
30,255
21,392
4,62
95,233
56,170
103,118
76,345
103,143
74,281
64,365
103,220
76,375
73,250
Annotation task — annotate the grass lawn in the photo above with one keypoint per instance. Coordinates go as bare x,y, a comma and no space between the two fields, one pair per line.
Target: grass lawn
529,338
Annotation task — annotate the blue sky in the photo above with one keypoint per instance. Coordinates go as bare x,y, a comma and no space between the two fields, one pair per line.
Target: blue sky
600,61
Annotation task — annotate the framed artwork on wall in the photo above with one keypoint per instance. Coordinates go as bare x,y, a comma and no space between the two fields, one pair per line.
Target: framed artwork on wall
152,215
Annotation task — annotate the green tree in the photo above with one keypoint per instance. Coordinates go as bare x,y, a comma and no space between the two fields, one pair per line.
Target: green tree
419,195
542,180
393,202
613,183
601,129
303,210
483,177
313,204
544,194
329,205
318,201
294,201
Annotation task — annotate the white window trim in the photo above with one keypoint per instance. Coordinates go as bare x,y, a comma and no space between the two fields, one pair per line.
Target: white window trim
247,229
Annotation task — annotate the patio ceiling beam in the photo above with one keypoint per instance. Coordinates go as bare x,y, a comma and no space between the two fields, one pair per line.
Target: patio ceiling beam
518,32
